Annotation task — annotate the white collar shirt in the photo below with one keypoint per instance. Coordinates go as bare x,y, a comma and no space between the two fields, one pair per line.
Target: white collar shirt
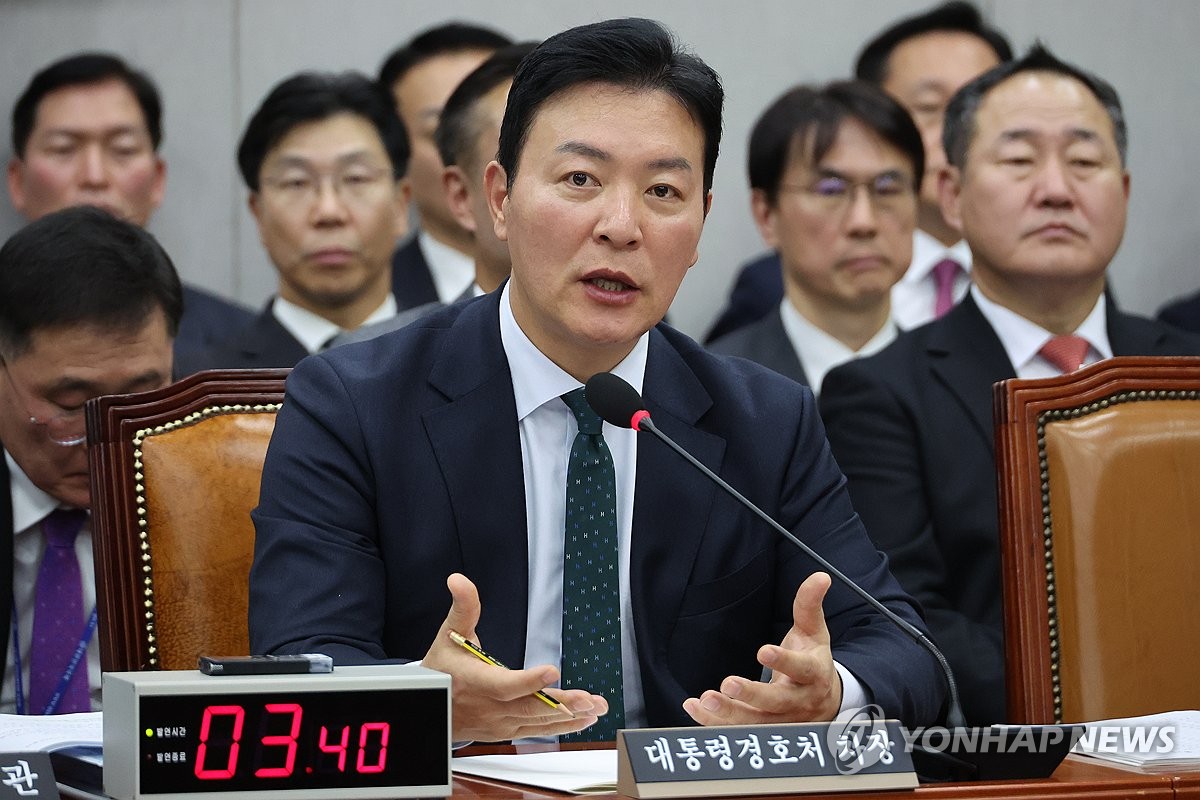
819,352
1023,339
453,271
313,331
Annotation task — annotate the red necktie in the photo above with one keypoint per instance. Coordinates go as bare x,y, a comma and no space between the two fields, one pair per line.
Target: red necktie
944,273
1065,352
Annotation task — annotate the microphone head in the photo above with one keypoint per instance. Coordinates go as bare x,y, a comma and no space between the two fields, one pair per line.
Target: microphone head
615,401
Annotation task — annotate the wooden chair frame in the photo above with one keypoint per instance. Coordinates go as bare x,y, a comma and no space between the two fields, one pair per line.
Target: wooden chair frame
117,425
1022,410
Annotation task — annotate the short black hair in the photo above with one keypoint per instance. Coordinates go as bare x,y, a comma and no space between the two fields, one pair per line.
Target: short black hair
959,127
84,69
458,126
452,37
82,265
634,53
960,16
811,117
314,96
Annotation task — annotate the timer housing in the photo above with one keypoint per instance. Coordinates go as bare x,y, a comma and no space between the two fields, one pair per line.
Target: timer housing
358,732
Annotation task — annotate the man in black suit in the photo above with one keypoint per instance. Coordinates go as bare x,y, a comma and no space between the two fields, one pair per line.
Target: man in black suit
843,250
1183,313
324,158
89,305
921,61
86,132
435,265
444,449
1038,187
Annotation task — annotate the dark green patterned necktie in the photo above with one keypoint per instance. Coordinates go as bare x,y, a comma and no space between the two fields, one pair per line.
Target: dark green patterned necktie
591,627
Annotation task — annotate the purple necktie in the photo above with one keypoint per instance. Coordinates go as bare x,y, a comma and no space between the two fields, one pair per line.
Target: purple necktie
58,618
944,273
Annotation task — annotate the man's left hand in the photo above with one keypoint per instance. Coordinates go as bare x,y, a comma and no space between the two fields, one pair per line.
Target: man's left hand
804,685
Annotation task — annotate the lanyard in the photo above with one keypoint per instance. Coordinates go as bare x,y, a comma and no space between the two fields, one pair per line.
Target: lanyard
64,681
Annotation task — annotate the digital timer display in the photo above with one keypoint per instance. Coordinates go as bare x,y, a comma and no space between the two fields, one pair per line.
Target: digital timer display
239,742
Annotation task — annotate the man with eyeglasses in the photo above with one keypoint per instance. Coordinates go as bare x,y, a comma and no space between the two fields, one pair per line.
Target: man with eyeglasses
89,305
1038,187
835,173
324,158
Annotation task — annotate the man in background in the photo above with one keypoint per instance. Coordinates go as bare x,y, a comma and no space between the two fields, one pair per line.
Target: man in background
89,305
324,159
86,131
921,61
834,176
437,263
467,136
1037,186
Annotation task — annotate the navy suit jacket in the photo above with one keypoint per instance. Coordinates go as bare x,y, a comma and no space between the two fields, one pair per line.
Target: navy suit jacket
397,461
412,280
263,344
758,289
6,562
764,342
912,428
1183,313
207,319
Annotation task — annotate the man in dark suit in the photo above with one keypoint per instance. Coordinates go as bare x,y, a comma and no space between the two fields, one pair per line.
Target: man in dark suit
1183,313
810,153
88,306
921,61
86,132
435,264
444,449
323,157
1039,189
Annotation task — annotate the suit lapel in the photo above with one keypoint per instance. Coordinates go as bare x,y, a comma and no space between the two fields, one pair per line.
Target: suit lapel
777,350
268,342
1131,336
476,442
966,357
672,501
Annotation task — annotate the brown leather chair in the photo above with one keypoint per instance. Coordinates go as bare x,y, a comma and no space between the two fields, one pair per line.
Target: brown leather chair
1099,486
174,475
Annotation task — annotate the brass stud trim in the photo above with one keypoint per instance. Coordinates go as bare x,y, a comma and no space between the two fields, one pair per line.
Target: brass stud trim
142,509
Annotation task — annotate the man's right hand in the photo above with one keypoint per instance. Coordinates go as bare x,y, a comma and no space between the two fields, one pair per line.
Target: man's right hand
492,704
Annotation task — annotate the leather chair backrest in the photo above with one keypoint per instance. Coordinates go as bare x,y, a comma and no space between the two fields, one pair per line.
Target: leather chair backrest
1099,486
175,474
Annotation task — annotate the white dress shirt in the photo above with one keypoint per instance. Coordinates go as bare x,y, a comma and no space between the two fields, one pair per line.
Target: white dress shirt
547,429
915,294
819,352
453,271
312,330
30,505
1023,339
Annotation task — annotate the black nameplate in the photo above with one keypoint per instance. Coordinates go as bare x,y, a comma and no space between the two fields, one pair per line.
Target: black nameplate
28,776
861,754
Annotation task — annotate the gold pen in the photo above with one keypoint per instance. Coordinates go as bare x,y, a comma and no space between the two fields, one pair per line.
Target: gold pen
478,652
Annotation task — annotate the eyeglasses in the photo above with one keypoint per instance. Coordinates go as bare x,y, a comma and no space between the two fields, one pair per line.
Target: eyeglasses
352,184
66,428
887,191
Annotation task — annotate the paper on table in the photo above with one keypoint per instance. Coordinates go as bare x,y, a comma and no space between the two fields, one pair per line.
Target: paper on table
1168,739
574,771
45,733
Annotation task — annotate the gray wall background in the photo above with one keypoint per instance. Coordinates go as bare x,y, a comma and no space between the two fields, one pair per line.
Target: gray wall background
215,59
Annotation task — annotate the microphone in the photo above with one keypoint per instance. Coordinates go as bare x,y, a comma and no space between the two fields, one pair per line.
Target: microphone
619,404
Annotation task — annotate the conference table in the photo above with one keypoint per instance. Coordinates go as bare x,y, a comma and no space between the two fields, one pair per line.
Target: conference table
1077,778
